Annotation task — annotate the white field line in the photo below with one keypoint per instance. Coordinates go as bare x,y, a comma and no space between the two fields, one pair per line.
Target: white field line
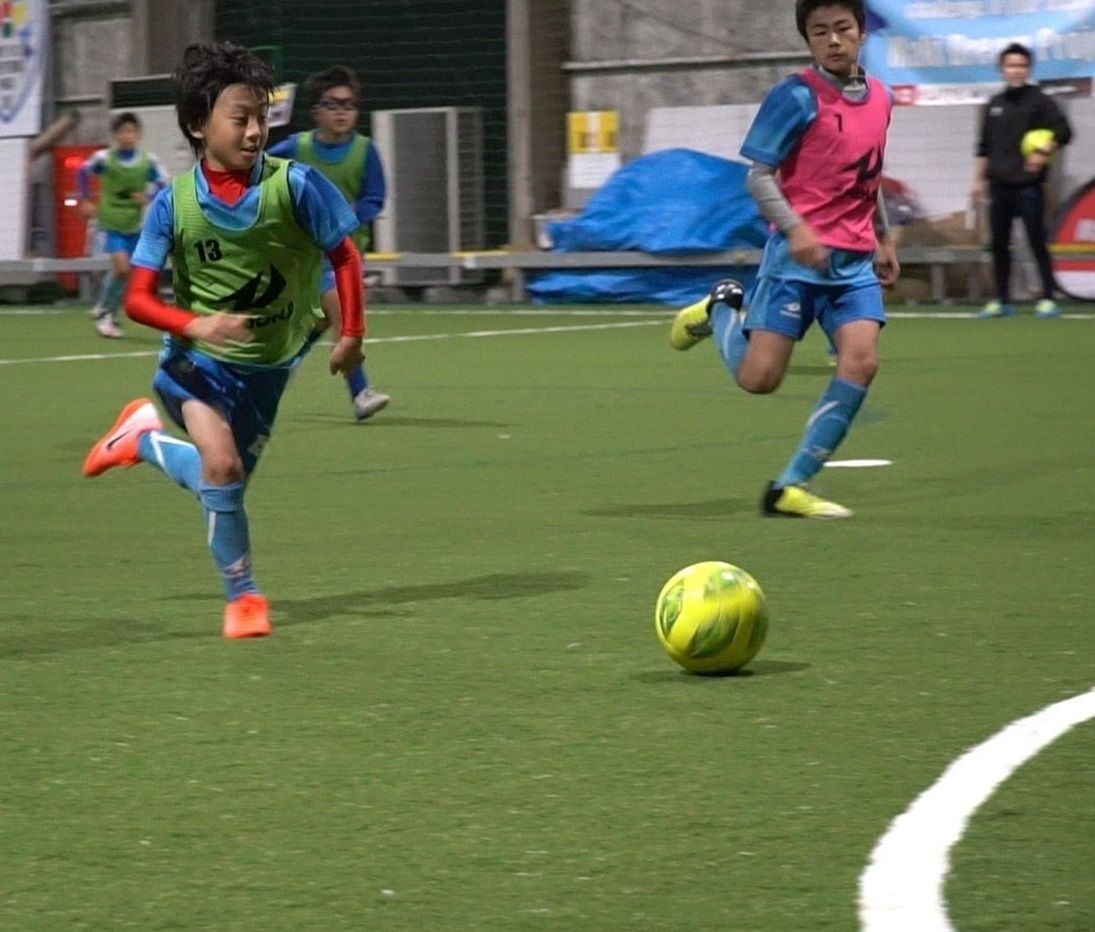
657,318
32,312
489,311
968,315
430,312
902,888
472,334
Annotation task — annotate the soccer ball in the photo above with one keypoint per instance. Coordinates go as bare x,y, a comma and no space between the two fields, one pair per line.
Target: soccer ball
711,618
1035,139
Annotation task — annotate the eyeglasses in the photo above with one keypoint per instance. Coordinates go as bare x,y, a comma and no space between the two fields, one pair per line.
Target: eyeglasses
338,104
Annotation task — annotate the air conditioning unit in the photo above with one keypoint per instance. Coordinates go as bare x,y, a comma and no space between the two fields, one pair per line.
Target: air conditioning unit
434,169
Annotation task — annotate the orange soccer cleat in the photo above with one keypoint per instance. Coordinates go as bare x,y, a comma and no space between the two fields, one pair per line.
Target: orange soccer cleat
247,617
118,446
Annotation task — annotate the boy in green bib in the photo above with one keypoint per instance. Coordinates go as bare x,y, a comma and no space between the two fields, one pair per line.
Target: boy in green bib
127,175
247,235
351,162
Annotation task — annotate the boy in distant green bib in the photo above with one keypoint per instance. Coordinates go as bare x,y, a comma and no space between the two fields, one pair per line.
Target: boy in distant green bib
127,176
350,161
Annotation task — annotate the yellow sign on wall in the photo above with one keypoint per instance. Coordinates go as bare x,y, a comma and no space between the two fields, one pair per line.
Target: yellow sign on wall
592,131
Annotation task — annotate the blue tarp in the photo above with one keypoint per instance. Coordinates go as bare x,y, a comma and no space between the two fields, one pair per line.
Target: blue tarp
674,202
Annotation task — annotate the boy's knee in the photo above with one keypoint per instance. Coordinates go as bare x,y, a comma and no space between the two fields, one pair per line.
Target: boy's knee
222,470
762,382
858,367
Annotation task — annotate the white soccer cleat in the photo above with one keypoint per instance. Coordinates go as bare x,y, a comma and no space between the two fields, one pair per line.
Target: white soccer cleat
106,327
367,402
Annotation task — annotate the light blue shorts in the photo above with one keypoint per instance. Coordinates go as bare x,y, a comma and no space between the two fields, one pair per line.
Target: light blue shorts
247,396
120,242
788,306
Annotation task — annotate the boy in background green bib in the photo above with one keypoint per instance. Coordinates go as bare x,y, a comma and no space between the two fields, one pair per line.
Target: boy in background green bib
246,234
127,175
351,162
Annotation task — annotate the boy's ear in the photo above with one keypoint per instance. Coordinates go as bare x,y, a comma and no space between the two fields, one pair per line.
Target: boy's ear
198,132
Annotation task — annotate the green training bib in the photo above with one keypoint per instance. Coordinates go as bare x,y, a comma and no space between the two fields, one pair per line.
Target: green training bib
270,270
347,174
118,212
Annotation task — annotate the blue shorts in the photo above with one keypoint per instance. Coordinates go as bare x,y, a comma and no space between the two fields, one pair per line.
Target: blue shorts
247,396
120,242
788,306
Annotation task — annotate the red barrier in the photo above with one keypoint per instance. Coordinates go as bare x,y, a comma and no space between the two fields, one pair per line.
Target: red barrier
72,227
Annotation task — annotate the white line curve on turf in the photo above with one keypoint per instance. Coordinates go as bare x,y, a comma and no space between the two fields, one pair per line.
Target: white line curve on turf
902,888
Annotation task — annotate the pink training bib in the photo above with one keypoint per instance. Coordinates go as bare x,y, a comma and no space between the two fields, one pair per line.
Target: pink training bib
832,177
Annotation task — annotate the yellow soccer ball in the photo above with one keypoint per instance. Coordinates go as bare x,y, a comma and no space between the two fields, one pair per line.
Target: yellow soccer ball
711,617
1035,139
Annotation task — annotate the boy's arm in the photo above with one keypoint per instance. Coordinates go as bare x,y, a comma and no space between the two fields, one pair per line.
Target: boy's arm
157,176
806,249
143,304
347,265
142,301
774,207
374,189
93,166
981,160
286,149
786,113
1052,117
886,262
346,261
1049,115
323,212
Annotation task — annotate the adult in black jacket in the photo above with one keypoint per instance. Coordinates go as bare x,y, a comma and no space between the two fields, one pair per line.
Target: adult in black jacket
1012,182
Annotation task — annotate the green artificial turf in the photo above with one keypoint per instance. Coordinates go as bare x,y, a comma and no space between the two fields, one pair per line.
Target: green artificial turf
464,720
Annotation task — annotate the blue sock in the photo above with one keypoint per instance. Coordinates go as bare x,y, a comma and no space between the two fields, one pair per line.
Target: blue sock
730,339
228,537
824,430
357,381
177,458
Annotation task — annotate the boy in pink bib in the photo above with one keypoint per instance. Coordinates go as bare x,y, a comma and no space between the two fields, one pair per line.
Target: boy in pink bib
817,148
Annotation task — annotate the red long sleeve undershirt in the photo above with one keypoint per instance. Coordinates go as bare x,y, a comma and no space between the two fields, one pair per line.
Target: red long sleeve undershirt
143,305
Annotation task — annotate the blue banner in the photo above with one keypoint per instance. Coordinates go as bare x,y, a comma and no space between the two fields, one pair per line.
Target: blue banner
951,43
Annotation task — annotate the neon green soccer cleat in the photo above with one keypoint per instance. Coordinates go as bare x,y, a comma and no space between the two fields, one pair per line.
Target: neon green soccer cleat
995,309
693,323
795,501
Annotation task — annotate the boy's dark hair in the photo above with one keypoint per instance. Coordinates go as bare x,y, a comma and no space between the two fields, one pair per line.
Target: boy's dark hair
803,9
124,119
336,76
207,68
1016,48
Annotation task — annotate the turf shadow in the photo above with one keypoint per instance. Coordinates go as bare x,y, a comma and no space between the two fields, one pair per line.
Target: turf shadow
391,421
811,370
378,603
367,603
708,510
96,633
755,669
